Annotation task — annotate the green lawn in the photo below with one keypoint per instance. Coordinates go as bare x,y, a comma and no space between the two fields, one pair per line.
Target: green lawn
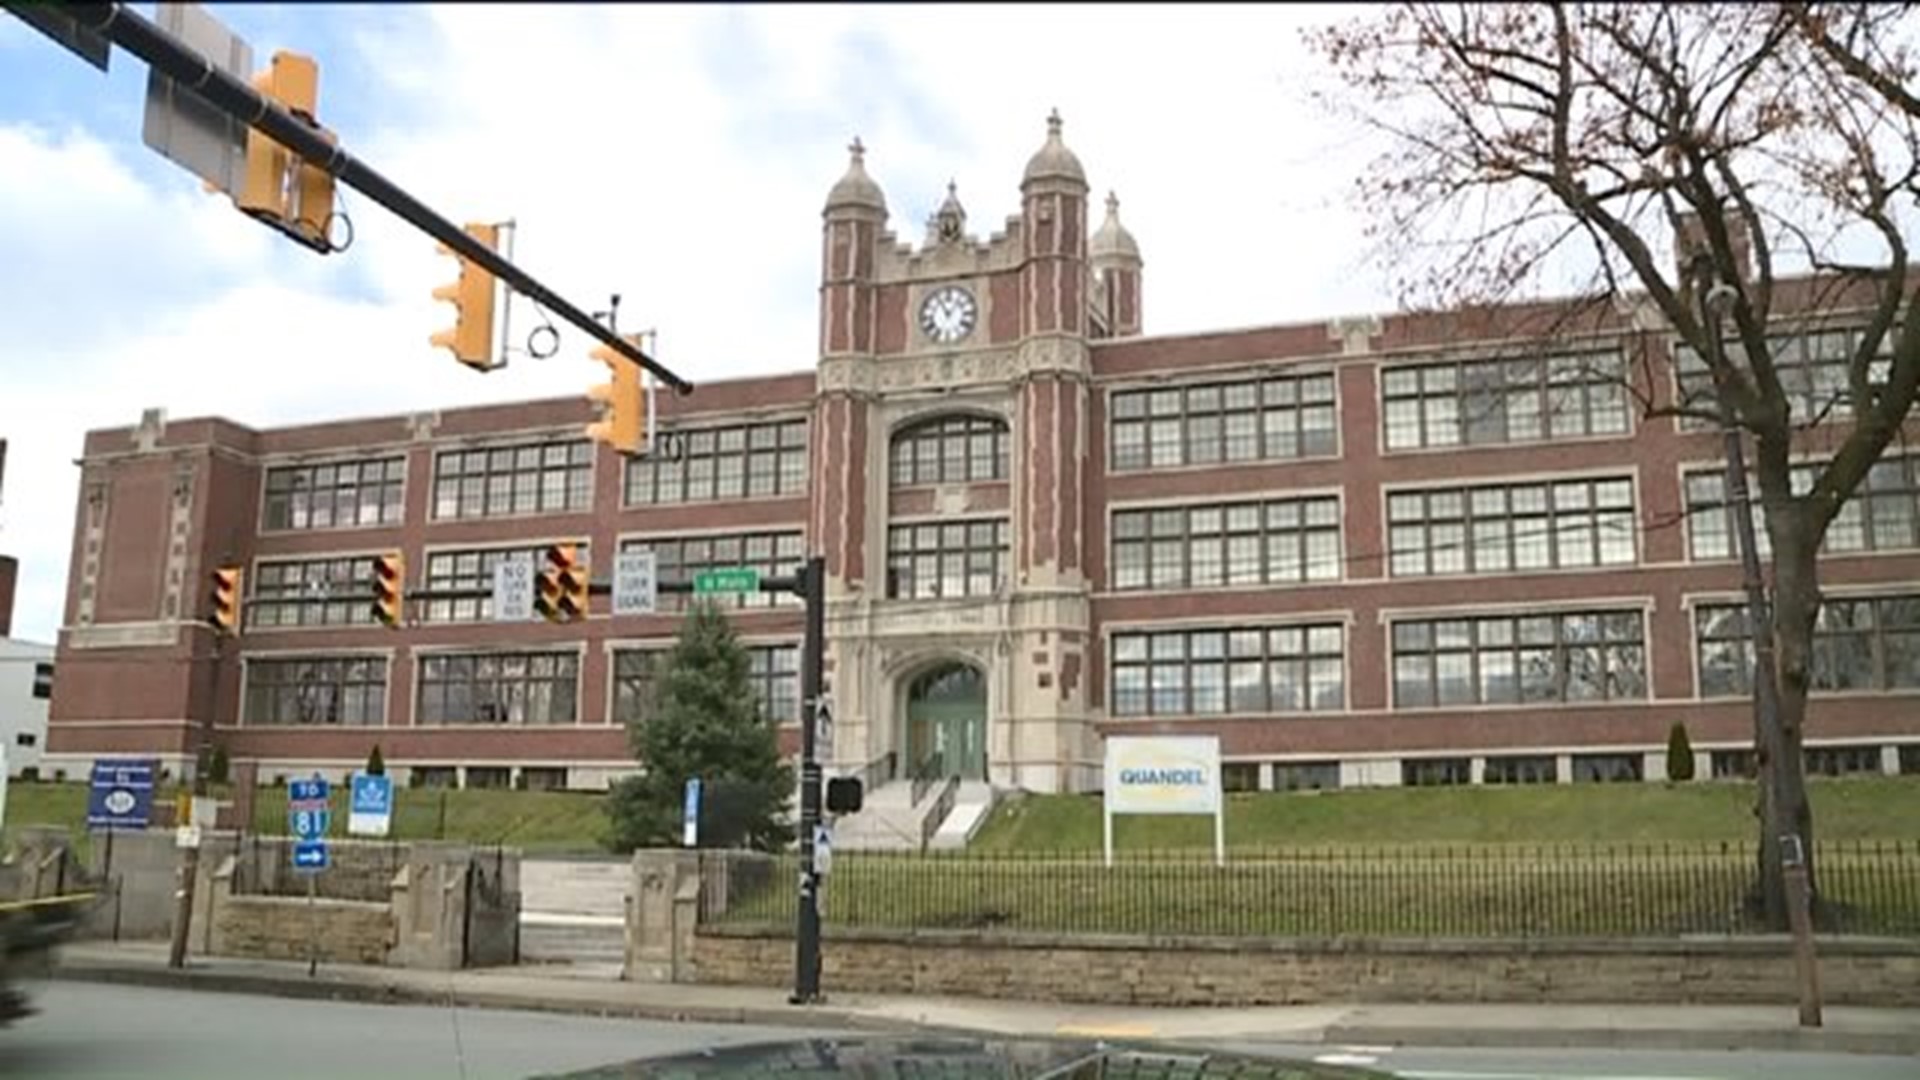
1854,808
536,821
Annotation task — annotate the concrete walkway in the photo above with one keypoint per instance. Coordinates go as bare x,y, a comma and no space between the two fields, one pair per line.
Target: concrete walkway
556,989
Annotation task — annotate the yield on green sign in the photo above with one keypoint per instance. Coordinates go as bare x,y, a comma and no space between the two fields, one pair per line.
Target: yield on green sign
732,580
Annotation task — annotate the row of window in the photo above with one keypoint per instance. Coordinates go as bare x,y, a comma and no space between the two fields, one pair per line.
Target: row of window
518,689
1273,418
1864,644
1861,644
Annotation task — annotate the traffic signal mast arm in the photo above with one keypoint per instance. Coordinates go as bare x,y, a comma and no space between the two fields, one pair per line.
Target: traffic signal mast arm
138,35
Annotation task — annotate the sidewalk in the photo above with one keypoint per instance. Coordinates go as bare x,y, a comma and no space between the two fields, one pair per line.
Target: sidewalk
594,990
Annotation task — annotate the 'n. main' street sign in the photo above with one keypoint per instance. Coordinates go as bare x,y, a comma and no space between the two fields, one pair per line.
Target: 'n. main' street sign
737,579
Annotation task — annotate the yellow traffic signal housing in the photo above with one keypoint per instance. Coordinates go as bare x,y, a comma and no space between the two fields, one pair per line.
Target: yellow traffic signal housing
562,586
389,588
471,335
226,600
278,187
626,419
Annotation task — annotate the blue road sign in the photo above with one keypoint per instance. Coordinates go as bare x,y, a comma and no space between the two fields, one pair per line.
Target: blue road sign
120,794
308,815
307,791
690,815
372,795
309,824
310,855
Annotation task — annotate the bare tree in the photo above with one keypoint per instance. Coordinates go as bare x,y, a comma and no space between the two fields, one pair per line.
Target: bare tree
1663,150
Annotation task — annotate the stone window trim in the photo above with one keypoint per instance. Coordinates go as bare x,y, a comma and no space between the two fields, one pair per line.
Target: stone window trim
420,575
385,459
1799,377
968,428
1505,487
679,447
1229,650
1503,633
575,651
256,663
766,667
1264,505
1725,615
1281,391
1890,491
575,485
789,535
355,597
1435,391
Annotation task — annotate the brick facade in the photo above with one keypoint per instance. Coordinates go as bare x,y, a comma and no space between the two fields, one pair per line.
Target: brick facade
1260,533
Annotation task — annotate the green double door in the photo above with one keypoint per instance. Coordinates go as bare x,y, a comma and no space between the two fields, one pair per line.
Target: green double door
947,716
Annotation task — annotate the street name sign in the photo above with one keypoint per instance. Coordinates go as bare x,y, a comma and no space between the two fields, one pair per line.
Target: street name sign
737,579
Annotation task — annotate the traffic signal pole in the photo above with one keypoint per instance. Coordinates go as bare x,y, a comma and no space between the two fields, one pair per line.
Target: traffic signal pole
810,585
173,58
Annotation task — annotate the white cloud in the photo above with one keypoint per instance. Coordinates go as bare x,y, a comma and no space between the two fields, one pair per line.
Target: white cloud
677,155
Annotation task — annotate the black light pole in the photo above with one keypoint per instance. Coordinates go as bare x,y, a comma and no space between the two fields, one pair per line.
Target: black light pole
806,958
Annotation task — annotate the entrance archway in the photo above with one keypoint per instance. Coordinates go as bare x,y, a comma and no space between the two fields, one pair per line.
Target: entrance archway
947,715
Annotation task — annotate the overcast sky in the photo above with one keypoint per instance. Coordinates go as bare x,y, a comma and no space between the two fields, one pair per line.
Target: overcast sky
678,156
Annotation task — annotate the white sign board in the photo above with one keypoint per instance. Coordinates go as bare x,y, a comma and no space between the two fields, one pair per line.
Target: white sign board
513,589
1165,774
636,591
823,729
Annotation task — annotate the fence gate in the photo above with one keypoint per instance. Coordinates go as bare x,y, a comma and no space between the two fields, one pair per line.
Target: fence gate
490,932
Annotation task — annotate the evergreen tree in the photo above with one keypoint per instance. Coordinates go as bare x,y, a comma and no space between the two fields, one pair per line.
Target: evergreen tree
219,767
703,720
1679,754
376,765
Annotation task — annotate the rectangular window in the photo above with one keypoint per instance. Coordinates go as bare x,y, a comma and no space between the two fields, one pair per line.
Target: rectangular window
1306,775
1280,669
1530,769
1508,528
316,691
1734,764
1608,768
1568,657
335,495
1812,365
312,592
473,569
513,481
27,739
1436,772
1882,514
681,558
950,450
42,680
774,671
1841,760
516,689
1869,644
742,461
1270,419
1270,542
1239,776
945,559
1489,402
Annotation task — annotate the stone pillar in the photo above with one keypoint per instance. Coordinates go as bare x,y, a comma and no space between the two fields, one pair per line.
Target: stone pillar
429,903
662,910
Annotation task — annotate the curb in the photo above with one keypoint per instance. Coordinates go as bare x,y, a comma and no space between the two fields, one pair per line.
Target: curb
334,989
1795,1040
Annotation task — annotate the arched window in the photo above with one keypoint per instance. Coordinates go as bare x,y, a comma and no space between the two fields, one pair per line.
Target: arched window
958,449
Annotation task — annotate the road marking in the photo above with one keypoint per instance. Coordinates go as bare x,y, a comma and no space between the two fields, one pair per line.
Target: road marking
1417,1074
1113,1031
1345,1059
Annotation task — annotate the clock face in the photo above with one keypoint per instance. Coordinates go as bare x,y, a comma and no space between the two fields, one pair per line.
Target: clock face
948,314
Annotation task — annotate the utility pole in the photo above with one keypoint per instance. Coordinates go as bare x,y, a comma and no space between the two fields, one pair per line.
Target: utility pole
190,861
813,662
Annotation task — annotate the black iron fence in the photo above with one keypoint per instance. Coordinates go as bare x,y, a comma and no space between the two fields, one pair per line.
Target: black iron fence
1867,888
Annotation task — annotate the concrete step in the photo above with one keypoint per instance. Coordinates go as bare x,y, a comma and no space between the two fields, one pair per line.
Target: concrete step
575,886
571,939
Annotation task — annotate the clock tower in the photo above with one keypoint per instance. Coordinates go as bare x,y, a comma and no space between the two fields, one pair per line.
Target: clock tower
949,496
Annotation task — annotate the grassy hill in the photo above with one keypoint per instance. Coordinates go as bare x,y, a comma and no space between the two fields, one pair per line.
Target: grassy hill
1855,808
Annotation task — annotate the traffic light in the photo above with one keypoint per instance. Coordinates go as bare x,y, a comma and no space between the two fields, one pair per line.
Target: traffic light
626,415
562,587
471,336
226,600
389,587
279,187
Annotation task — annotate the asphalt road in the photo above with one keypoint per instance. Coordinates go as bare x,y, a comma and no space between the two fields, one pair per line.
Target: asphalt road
89,1031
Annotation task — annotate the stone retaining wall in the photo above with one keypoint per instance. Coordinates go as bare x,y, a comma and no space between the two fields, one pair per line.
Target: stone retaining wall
1228,972
282,928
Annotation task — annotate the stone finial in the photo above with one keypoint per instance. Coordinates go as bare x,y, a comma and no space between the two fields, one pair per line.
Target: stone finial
856,188
1112,240
1054,160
